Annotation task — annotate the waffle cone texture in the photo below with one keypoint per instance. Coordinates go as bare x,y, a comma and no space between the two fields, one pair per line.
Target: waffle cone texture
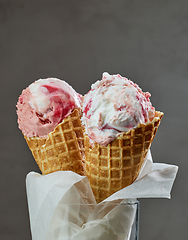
63,149
111,168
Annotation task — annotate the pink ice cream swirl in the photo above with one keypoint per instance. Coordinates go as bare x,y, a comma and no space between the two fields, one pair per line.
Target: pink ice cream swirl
44,104
112,106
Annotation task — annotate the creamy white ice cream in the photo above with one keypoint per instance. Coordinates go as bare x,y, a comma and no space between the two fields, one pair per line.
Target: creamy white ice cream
114,105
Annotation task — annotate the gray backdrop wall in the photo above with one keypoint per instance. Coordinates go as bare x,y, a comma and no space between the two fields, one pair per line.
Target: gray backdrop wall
144,40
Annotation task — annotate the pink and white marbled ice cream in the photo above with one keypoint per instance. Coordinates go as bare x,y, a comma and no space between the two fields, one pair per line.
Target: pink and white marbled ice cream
112,106
44,104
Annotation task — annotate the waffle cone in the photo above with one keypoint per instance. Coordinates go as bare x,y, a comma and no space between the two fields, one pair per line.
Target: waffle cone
63,149
117,165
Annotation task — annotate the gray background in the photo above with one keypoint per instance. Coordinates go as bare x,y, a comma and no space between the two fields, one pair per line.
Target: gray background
144,40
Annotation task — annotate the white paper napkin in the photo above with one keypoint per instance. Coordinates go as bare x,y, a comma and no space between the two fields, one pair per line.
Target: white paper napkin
62,205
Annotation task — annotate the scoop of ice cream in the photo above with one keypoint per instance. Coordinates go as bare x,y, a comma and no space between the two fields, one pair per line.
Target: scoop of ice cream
112,106
44,104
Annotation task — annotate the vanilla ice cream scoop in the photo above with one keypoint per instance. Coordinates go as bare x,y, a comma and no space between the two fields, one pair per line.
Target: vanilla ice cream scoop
112,106
44,104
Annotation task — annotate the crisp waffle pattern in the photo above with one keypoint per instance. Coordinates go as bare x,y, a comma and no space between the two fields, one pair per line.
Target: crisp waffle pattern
117,165
63,149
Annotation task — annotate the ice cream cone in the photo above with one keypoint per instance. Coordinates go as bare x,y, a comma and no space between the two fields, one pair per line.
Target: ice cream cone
117,165
63,149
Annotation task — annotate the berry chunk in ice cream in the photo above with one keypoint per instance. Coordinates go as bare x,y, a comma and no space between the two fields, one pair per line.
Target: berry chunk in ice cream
44,104
114,105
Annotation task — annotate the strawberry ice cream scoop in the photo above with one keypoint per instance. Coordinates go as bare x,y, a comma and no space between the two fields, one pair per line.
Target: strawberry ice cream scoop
44,104
112,106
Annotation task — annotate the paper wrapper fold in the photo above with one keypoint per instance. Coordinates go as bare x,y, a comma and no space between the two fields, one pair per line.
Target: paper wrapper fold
62,204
